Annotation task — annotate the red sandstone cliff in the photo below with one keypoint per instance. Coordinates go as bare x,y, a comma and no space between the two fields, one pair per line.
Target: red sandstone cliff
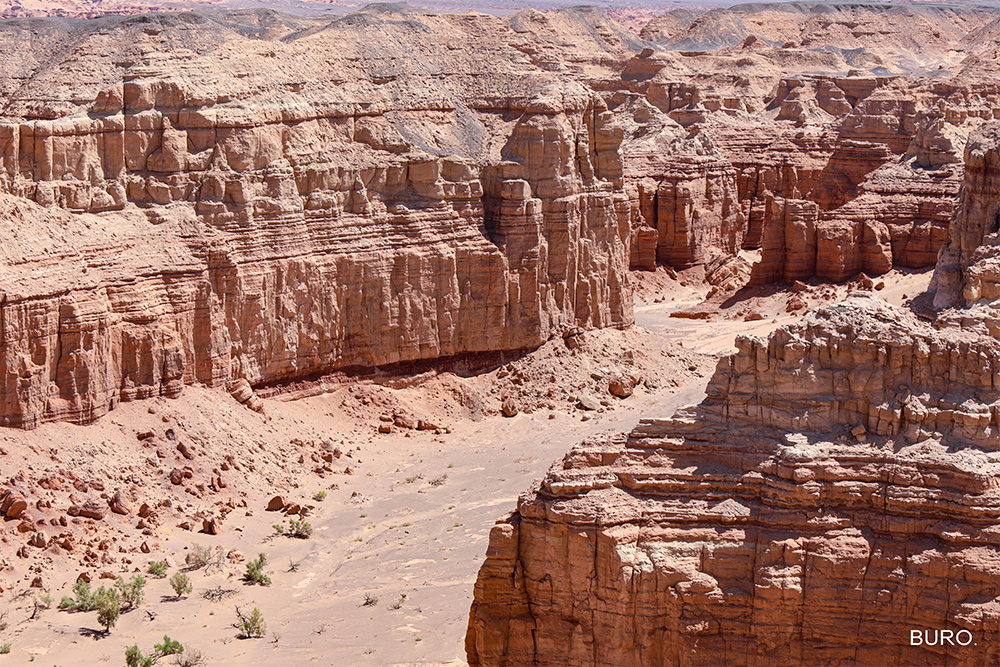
836,489
208,218
835,492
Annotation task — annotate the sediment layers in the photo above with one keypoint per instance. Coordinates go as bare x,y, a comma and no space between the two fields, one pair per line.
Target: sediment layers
342,207
837,489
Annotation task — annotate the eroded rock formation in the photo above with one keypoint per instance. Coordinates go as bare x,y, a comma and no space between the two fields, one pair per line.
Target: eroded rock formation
836,490
214,219
967,271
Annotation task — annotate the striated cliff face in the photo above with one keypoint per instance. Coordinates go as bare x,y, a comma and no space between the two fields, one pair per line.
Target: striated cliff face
837,489
967,270
873,152
206,218
884,182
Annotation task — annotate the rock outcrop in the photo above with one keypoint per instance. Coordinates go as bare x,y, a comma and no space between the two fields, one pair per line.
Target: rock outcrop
968,270
836,490
200,218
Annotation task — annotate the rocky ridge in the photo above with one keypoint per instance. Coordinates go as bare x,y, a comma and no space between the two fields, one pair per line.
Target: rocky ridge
840,476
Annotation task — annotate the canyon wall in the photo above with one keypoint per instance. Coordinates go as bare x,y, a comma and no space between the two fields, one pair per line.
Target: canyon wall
968,271
837,489
878,151
198,218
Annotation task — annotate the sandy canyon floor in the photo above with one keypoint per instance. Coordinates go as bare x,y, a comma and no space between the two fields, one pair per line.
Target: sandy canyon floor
406,518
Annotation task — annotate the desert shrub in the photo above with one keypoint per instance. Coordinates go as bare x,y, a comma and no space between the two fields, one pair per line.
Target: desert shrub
319,496
83,599
250,625
158,568
180,583
190,659
255,571
168,647
299,528
4,649
135,658
199,557
109,607
131,591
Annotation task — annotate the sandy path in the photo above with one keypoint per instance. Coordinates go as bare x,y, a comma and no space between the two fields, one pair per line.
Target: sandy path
402,535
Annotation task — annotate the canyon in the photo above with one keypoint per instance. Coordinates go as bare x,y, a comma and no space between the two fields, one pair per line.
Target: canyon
835,489
248,253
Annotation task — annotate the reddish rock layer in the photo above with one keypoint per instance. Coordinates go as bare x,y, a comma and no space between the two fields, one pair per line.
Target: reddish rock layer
837,489
342,207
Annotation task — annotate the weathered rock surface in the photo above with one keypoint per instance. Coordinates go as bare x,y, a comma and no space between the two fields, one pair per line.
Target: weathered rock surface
882,152
207,219
837,488
968,270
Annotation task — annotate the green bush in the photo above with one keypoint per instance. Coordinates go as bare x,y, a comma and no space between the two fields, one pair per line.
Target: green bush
168,647
319,496
131,591
5,649
180,583
250,625
84,601
299,528
158,568
255,571
109,607
135,658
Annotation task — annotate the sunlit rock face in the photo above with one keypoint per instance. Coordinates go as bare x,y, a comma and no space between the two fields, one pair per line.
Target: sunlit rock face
199,198
837,489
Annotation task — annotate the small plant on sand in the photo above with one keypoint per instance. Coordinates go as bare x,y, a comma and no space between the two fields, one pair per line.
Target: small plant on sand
4,649
319,496
370,600
83,600
109,607
250,625
299,528
255,571
45,600
190,659
131,591
199,557
180,583
135,658
168,647
158,568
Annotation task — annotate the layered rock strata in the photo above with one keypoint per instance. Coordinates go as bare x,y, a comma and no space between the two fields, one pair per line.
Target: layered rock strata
871,151
968,270
344,208
836,490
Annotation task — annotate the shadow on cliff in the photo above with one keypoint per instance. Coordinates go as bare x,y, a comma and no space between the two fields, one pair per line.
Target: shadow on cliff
755,292
407,373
